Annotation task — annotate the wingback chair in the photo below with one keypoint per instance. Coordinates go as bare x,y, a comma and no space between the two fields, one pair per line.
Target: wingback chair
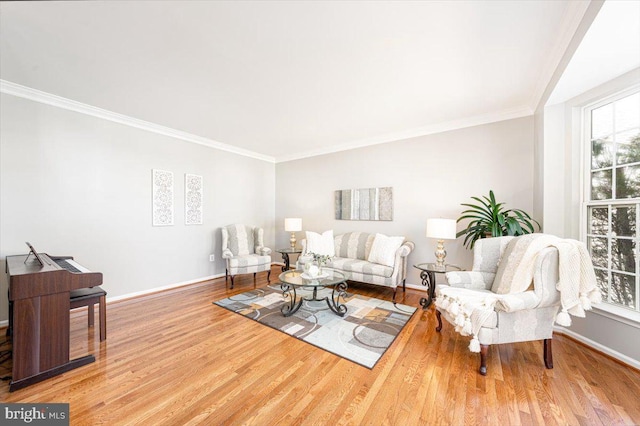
523,316
244,251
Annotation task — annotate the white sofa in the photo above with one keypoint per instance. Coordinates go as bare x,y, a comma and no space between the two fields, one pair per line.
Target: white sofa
351,253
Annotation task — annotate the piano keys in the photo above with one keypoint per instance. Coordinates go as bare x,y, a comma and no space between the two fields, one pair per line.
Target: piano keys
39,318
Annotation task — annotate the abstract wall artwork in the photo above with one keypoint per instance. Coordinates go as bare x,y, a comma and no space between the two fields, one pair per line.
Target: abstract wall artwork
162,198
192,199
364,204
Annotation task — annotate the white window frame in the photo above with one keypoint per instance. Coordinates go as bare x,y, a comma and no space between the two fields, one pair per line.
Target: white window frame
617,312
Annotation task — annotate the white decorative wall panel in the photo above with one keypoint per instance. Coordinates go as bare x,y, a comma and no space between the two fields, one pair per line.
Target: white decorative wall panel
162,198
192,199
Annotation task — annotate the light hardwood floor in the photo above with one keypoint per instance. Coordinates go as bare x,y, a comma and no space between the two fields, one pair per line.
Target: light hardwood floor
174,358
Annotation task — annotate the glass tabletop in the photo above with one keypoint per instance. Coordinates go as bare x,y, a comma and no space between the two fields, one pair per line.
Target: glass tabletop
432,267
298,278
289,250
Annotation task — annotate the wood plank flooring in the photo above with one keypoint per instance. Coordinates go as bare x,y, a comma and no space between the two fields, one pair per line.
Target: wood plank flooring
174,358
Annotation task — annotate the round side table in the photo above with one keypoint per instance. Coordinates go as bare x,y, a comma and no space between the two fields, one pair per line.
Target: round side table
285,252
428,273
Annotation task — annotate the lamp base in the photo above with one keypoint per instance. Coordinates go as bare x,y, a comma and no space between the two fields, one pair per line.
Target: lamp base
292,240
440,254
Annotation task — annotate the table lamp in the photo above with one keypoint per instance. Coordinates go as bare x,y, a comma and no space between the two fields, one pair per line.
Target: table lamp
293,224
441,229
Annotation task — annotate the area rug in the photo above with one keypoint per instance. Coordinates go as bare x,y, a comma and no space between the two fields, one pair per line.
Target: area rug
362,335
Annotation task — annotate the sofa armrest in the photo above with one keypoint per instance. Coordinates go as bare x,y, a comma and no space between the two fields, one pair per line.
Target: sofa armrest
263,251
517,302
400,262
406,248
402,253
226,254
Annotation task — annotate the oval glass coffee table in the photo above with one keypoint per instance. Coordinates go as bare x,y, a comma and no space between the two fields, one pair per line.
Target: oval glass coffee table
296,279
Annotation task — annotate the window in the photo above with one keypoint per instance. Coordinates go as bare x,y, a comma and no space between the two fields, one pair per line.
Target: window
613,198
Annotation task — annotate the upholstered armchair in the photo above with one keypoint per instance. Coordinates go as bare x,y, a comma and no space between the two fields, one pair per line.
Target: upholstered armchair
244,251
515,289
473,303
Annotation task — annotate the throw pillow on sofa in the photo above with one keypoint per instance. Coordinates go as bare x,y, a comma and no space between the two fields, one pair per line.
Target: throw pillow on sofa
383,250
320,243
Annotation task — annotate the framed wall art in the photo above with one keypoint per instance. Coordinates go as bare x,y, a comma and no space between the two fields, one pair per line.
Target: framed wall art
162,197
364,204
192,199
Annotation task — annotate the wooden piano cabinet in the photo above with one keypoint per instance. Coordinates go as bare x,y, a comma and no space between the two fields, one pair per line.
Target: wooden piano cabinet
40,322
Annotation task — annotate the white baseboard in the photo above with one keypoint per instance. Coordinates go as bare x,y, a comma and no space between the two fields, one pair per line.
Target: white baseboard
4,323
170,286
418,287
166,287
600,347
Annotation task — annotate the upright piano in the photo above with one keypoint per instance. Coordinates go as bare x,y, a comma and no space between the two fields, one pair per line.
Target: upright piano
39,320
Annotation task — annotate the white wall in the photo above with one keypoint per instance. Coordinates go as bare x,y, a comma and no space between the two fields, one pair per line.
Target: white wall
553,172
73,184
563,204
430,176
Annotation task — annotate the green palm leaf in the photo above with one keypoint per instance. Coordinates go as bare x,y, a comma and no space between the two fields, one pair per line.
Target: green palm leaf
487,217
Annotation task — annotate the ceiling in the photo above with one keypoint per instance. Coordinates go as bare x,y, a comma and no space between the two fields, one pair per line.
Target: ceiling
609,49
284,79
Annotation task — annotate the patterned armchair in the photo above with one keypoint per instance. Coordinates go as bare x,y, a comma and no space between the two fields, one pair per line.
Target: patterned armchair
472,303
244,251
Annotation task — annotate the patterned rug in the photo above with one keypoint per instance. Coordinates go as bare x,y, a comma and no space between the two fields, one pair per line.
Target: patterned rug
363,335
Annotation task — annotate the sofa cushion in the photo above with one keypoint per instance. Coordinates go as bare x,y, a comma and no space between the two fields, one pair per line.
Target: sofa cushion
383,250
354,245
248,260
360,266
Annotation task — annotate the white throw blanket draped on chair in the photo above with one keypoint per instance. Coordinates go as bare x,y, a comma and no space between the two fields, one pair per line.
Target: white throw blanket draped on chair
577,279
576,284
468,309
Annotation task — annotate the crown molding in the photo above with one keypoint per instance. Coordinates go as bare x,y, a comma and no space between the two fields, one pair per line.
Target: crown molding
71,105
477,120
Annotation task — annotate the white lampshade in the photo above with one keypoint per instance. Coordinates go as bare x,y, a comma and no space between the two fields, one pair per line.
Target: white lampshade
293,224
441,229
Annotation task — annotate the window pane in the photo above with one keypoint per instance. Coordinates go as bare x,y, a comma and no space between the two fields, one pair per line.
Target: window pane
602,121
622,255
623,221
613,226
601,153
598,250
623,290
628,147
602,278
628,112
627,182
601,185
598,220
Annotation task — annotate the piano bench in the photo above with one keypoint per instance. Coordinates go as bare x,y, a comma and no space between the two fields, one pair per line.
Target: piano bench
88,297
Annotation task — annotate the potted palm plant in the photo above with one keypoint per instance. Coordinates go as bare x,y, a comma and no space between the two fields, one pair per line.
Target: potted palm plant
490,219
